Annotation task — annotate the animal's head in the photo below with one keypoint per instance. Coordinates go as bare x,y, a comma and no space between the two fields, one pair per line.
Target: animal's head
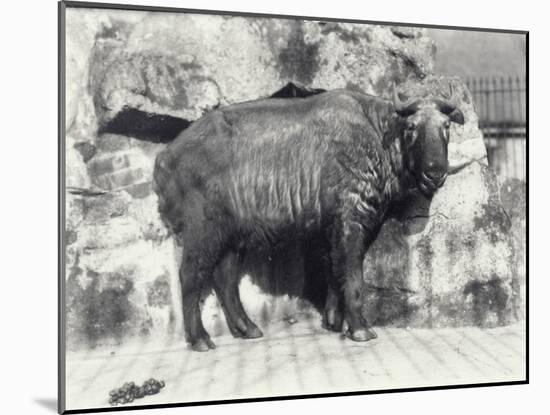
426,133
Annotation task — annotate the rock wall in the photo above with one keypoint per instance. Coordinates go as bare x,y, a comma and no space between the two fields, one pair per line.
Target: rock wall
514,200
452,261
449,263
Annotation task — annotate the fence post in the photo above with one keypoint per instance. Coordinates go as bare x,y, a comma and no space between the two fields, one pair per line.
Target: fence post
519,90
511,91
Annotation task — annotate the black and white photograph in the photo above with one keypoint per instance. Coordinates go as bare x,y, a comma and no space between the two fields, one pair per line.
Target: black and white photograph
261,206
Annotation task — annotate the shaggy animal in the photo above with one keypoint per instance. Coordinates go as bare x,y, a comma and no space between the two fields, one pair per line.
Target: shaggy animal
246,179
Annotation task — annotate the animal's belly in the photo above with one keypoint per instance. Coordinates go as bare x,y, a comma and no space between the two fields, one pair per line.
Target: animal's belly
276,202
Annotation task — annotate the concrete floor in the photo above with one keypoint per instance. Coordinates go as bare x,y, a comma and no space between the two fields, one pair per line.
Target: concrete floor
300,358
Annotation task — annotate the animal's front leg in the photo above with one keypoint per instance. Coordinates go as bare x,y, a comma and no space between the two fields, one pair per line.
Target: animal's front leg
333,316
349,246
318,267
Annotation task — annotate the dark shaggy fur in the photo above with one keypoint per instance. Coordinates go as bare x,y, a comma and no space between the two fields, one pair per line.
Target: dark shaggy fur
316,173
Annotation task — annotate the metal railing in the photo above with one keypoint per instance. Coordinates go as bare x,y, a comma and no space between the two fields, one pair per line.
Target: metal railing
501,106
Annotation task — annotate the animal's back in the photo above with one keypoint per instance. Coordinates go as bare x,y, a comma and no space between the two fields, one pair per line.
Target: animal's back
279,150
262,160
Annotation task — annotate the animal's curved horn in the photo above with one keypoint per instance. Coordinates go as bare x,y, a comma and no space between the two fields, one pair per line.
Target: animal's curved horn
450,108
403,108
445,106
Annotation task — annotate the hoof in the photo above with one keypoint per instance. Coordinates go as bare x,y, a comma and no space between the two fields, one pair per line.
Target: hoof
241,325
235,331
331,327
334,326
247,331
203,345
332,321
361,335
253,333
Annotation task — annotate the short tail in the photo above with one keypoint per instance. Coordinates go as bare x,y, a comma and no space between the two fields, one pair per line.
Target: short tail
147,126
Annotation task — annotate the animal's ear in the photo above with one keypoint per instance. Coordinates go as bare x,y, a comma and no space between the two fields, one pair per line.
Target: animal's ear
457,116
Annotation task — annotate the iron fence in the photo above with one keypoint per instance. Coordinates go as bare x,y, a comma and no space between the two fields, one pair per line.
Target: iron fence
501,105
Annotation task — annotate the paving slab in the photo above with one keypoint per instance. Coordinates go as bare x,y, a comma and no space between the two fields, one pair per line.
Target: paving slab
297,359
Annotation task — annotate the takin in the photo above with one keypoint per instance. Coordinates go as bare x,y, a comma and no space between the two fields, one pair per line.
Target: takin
324,167
306,170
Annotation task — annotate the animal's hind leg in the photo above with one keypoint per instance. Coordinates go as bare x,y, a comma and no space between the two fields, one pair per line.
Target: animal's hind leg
226,284
192,276
201,248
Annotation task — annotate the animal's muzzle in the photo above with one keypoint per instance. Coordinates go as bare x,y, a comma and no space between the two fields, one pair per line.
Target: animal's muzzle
436,179
429,183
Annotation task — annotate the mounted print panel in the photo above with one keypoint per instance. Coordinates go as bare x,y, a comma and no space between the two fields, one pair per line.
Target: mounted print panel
258,207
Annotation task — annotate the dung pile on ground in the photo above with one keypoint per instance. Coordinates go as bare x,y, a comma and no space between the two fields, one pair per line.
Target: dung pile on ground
130,391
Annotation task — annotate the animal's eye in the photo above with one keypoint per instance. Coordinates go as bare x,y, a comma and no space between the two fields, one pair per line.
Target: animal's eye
446,130
411,126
